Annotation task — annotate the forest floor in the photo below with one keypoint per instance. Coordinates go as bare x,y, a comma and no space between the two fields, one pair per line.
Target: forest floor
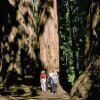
24,92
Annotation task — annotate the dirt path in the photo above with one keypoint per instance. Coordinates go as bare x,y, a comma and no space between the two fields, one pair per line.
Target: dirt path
61,95
28,95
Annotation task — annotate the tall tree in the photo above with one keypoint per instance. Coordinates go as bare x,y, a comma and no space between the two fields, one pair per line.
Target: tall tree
88,84
19,40
48,34
72,27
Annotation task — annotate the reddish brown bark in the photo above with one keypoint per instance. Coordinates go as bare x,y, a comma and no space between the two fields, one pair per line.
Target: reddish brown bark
48,38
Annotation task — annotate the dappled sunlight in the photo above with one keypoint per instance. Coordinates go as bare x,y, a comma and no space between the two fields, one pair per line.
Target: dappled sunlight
59,35
19,53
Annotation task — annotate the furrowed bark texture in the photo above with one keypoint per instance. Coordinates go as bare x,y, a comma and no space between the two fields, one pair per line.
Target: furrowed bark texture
18,38
48,34
87,87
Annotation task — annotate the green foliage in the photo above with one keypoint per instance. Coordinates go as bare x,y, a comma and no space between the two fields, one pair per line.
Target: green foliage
36,14
79,16
65,40
71,75
36,5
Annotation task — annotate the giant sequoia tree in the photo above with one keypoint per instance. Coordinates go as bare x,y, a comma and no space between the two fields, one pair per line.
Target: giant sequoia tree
88,84
48,34
18,40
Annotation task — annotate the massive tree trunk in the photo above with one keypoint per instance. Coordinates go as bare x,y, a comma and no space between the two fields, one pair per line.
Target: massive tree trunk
48,34
88,84
18,38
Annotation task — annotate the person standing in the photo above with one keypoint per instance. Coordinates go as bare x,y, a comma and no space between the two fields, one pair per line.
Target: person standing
54,81
43,80
50,77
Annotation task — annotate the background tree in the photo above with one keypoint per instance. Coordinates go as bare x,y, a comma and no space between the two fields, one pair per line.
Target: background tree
72,27
88,84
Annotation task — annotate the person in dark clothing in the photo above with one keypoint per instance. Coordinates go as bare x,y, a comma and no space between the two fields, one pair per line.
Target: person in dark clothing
54,81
